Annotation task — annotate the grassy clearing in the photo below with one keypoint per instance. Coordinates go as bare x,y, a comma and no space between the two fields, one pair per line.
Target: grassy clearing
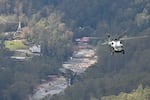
15,45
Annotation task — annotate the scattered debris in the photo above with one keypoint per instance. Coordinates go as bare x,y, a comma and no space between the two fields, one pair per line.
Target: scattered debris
55,86
82,59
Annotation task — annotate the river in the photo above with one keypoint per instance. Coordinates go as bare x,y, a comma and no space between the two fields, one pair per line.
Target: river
83,57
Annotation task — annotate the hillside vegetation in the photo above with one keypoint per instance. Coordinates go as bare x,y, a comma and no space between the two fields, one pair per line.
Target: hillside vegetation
54,24
139,94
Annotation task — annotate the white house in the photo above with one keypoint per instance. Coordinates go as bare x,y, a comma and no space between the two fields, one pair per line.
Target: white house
35,49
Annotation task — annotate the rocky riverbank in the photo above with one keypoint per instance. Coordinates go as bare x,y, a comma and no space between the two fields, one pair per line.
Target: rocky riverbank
81,59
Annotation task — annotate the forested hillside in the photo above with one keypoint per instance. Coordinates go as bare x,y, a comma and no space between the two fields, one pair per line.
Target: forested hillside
54,24
139,94
42,24
117,73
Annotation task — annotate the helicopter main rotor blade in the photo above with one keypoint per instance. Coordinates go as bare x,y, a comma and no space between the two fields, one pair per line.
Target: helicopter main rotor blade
96,38
105,43
131,38
122,34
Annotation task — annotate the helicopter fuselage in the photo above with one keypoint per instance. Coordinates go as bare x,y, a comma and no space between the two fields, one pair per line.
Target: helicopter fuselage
117,46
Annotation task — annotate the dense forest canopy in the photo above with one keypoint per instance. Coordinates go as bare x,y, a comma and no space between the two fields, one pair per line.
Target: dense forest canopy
54,24
104,15
139,94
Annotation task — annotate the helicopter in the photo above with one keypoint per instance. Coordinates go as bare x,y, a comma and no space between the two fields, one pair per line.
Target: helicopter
117,45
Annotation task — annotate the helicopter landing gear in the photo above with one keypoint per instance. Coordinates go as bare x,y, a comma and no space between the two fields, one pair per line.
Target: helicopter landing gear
123,52
112,53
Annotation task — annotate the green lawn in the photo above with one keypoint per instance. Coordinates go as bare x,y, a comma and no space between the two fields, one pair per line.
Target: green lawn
15,44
